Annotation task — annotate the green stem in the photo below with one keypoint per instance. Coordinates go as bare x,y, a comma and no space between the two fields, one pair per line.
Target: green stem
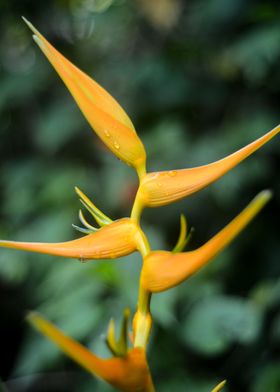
137,208
141,170
142,322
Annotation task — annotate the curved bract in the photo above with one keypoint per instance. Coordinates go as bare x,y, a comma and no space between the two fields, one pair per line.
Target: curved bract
129,374
104,114
117,239
162,188
163,270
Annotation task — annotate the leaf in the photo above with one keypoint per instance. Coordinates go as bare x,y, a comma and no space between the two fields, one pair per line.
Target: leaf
214,323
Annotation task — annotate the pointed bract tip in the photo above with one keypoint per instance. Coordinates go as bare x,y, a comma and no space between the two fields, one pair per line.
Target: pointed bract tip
30,25
27,314
25,20
36,39
262,198
32,317
78,191
219,387
265,195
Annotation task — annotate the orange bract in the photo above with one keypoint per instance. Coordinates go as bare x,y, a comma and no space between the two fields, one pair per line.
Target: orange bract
102,111
161,188
163,270
129,373
114,240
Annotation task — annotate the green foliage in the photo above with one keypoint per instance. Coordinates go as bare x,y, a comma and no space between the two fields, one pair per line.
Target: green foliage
217,322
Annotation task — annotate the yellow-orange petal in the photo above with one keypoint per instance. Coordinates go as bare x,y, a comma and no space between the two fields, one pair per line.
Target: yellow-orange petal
128,374
102,111
114,240
163,270
161,188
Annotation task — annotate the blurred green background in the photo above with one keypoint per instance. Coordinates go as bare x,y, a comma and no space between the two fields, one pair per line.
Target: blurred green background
199,79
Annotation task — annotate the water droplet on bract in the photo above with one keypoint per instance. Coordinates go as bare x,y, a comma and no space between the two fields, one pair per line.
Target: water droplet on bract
107,133
159,184
116,145
172,173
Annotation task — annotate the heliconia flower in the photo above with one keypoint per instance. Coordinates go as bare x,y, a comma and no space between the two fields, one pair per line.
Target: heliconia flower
104,114
129,373
163,270
161,188
114,240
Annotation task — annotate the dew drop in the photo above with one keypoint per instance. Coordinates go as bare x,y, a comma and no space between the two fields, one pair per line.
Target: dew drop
107,133
159,184
116,145
172,173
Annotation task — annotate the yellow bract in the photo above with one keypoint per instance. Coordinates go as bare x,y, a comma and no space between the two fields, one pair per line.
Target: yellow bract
163,270
102,111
